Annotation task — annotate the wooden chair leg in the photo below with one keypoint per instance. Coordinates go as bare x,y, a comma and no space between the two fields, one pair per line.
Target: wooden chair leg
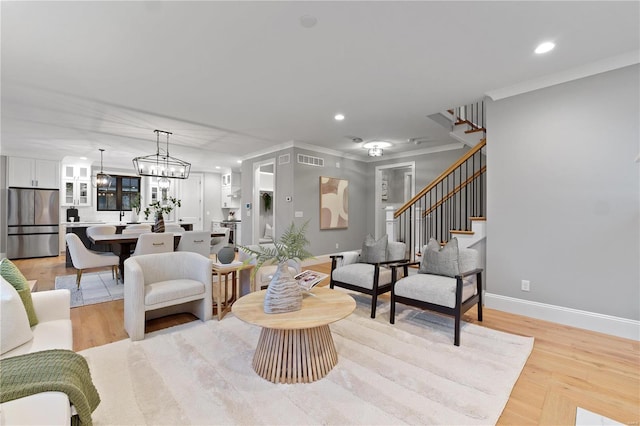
78,277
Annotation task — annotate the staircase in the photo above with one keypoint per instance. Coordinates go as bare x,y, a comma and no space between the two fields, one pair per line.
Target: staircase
454,204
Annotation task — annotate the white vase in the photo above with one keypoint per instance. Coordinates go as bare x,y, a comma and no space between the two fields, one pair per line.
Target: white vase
284,293
134,216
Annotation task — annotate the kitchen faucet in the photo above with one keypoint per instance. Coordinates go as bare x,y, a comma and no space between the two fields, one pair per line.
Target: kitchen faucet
121,215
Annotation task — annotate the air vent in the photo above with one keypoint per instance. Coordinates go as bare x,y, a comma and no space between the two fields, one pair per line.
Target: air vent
310,161
284,159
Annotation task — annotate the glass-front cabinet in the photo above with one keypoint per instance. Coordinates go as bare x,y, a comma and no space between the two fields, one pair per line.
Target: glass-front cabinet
76,185
76,193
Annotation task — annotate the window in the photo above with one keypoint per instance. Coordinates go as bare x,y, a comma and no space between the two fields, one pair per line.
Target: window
122,190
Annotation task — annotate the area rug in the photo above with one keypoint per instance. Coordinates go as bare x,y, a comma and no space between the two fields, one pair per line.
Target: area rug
96,287
407,373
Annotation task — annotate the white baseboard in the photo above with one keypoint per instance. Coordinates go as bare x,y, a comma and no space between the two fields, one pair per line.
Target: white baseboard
616,326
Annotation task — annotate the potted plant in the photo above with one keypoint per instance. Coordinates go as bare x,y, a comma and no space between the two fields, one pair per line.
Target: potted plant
135,207
283,294
159,209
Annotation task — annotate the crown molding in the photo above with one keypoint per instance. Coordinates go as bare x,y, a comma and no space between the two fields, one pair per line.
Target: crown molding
593,68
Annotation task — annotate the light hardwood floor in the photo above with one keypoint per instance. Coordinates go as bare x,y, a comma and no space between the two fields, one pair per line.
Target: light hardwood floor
568,367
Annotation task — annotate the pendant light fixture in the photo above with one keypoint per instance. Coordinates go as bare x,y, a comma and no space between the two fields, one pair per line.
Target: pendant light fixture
101,180
161,165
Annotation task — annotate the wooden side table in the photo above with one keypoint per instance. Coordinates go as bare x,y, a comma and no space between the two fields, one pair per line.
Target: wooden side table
224,302
296,347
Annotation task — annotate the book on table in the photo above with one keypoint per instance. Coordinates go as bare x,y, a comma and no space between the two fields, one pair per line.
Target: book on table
309,279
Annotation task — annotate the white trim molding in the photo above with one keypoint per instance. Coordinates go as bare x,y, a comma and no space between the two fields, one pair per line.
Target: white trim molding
616,326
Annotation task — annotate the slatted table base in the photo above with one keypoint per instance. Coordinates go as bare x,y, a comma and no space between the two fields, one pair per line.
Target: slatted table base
295,356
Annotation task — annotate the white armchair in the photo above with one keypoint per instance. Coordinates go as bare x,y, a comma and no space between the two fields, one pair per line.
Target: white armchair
165,283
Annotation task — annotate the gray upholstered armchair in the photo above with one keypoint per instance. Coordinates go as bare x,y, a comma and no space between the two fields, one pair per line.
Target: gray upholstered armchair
368,271
449,281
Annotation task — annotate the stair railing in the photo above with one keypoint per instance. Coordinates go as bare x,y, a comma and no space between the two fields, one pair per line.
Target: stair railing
472,115
448,203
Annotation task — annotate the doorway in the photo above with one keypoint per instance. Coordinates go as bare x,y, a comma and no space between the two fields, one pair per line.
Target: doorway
264,195
190,195
395,185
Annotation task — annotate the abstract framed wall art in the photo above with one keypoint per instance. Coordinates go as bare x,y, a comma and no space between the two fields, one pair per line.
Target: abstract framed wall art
334,203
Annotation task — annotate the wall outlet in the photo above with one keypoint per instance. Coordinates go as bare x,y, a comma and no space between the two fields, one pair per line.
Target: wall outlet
525,285
299,214
337,245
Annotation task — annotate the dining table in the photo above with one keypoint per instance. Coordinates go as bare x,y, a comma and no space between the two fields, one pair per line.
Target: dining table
122,244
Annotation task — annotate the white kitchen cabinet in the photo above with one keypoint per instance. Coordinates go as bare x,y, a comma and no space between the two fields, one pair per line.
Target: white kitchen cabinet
76,185
76,192
33,173
229,199
76,171
231,180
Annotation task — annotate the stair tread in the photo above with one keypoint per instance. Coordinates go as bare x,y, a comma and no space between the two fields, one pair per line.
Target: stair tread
478,218
455,231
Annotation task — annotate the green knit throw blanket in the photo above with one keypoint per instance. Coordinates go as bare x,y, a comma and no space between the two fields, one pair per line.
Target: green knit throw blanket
53,370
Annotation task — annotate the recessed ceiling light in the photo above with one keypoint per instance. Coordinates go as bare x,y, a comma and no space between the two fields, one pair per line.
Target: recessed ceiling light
218,167
83,158
239,161
545,47
308,21
339,117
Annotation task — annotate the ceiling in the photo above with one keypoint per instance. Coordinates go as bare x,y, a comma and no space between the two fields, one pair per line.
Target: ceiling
232,79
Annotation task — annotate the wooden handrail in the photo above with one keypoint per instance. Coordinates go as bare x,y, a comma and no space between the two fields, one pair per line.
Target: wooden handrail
455,190
440,178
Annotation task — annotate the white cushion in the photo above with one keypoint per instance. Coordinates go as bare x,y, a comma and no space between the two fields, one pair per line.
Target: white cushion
14,323
47,335
44,408
361,275
165,291
436,289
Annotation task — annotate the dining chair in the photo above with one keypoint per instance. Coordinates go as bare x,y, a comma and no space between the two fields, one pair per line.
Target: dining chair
137,228
196,241
172,227
99,230
83,258
154,242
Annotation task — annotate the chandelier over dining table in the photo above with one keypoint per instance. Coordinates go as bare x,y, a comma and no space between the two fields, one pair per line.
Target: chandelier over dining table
161,164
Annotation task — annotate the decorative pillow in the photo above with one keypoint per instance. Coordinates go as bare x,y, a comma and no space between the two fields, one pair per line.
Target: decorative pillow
374,251
440,261
14,324
268,232
12,274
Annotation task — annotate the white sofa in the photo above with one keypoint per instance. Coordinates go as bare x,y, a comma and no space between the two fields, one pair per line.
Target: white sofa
162,284
53,331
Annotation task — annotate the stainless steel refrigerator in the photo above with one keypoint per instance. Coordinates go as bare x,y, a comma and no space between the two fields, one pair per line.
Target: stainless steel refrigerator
33,223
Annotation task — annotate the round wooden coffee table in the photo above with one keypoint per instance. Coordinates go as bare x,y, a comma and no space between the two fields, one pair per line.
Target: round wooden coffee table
295,347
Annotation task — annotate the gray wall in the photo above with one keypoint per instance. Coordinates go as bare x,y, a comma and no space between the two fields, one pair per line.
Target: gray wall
428,167
564,194
301,182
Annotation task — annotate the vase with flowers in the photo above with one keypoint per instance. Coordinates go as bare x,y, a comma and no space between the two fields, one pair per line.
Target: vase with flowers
158,209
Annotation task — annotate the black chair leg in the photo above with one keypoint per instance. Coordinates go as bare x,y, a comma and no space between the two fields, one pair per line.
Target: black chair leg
374,303
392,312
456,327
